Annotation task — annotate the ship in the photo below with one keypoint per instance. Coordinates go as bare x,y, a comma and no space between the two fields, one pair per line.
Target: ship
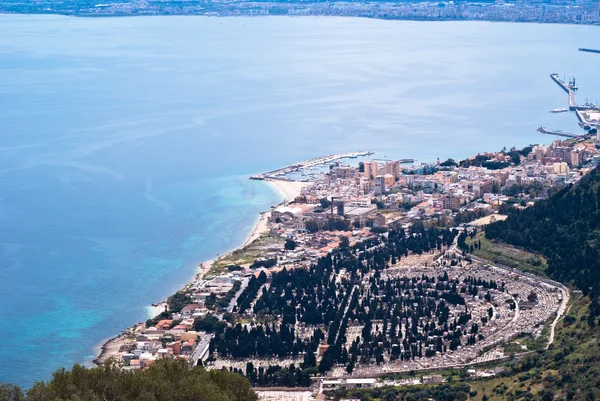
559,110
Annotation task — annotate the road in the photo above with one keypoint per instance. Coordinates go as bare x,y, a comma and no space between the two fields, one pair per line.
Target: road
559,313
564,291
203,345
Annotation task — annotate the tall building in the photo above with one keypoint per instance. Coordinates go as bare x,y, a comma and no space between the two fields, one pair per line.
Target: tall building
340,209
371,169
451,202
389,180
379,185
540,152
574,158
393,168
561,152
365,185
560,168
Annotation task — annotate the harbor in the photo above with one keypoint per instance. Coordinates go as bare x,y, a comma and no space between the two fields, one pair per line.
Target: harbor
281,172
588,114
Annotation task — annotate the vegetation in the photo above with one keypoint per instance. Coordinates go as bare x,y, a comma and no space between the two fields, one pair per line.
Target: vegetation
276,376
313,297
246,255
569,370
209,324
223,300
250,292
290,244
444,392
565,228
163,381
506,255
469,215
514,157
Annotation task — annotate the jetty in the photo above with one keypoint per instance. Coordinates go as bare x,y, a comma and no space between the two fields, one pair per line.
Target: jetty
570,88
583,49
281,172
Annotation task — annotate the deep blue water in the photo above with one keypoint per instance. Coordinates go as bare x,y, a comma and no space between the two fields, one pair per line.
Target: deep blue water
126,143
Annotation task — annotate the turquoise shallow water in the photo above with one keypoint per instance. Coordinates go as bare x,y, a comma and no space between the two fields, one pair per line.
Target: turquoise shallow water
126,143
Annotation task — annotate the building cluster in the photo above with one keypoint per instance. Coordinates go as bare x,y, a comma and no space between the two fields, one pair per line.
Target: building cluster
344,205
176,336
573,12
373,193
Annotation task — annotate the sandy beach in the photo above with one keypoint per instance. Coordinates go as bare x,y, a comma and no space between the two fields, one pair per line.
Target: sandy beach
289,189
262,226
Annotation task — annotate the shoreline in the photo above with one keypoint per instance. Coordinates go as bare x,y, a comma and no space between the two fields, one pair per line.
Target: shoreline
401,18
108,348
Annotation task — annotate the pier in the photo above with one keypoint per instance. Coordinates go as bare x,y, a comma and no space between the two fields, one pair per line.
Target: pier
570,88
558,133
279,173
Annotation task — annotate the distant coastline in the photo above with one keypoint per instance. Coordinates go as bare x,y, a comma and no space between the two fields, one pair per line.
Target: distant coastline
586,13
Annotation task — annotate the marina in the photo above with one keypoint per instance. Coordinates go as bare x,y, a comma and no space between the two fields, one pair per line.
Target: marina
281,172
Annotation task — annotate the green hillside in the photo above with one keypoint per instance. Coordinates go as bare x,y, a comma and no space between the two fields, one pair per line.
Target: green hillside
564,228
164,381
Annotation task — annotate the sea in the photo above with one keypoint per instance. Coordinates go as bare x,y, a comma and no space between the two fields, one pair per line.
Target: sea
126,143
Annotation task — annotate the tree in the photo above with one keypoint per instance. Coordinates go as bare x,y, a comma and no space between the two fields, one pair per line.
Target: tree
449,163
310,361
163,380
324,203
311,226
207,323
178,300
9,392
290,244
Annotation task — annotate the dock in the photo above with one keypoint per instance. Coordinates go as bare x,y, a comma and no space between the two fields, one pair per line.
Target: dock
281,172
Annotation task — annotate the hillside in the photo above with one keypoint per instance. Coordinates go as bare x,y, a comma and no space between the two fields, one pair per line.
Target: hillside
168,380
564,228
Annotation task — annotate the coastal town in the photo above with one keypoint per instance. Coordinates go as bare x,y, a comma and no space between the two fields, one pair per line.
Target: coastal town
369,267
549,11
